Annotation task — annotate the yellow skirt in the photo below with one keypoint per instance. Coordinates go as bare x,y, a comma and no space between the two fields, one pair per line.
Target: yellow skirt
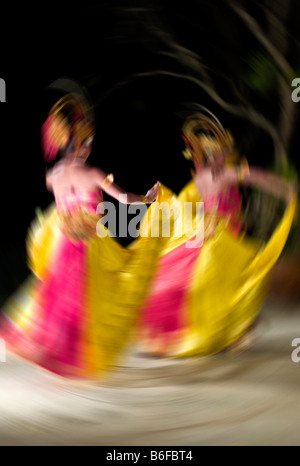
81,308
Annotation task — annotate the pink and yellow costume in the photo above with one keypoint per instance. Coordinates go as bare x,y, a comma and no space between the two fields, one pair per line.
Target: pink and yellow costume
86,298
204,299
165,315
78,312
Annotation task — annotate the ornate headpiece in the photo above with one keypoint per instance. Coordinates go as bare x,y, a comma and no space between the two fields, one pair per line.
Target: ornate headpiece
205,137
70,123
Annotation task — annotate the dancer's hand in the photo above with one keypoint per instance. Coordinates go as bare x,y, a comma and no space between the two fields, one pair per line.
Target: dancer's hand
151,195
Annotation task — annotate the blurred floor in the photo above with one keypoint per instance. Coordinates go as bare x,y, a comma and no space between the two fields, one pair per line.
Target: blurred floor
250,399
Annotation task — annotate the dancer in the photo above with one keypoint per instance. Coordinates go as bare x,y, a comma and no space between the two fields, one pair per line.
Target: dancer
206,298
79,310
76,313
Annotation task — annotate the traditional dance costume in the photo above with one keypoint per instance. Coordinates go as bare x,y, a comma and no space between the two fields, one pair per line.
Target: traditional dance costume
205,298
88,295
76,314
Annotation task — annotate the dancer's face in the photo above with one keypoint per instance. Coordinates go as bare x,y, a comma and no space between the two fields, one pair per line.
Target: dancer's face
202,156
81,153
85,149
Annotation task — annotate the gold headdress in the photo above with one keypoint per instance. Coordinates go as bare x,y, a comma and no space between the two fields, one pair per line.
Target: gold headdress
70,123
205,138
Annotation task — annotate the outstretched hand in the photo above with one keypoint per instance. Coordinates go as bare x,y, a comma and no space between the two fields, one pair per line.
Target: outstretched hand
151,195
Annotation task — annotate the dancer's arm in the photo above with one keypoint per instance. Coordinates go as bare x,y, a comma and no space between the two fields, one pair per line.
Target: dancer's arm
107,184
266,181
48,178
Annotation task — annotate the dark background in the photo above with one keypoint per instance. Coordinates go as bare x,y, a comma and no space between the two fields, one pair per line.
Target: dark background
140,61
